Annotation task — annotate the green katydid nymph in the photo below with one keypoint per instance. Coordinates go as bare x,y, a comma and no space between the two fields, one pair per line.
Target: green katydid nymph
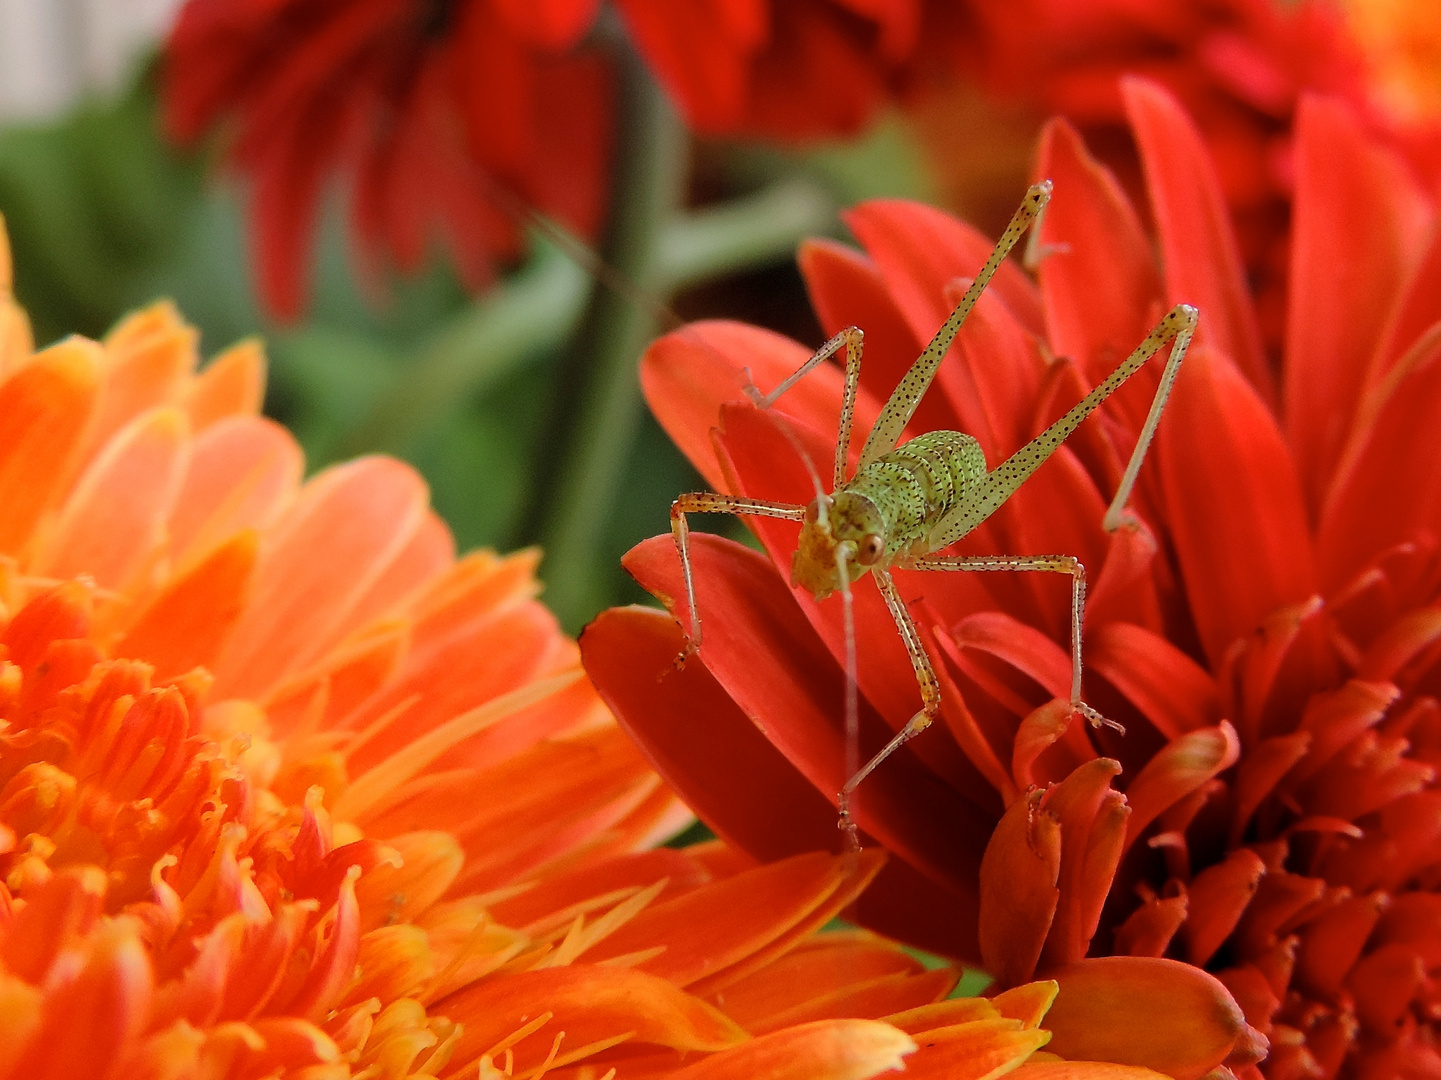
906,502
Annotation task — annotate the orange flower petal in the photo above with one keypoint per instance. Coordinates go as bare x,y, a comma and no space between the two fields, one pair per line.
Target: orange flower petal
114,519
975,1050
814,973
1028,1002
232,384
187,623
58,914
150,354
45,407
100,1013
875,998
825,1050
337,538
429,551
589,1004
744,914
21,1008
241,471
1160,1014
1081,1070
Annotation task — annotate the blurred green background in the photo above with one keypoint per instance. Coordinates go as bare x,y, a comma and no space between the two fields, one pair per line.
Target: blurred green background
477,392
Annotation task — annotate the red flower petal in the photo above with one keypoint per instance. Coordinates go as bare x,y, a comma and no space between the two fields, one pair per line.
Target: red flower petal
1234,503
709,83
1161,1014
726,770
920,250
689,373
1102,292
1171,690
1218,897
1198,246
1332,943
1181,767
1018,890
847,289
1093,833
1149,929
1383,492
759,647
1355,221
794,94
551,24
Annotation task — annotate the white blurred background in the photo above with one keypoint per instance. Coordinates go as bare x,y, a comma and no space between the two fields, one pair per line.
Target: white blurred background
54,51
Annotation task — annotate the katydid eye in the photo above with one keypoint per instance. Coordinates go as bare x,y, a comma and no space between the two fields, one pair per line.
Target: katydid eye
870,550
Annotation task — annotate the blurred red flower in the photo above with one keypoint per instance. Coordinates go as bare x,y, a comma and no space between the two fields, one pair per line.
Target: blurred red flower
427,108
439,112
1270,635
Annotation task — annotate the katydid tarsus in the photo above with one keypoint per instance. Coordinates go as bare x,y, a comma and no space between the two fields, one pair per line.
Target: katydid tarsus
906,502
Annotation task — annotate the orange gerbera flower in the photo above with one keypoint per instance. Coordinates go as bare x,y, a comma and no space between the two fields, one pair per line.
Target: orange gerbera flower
1270,634
286,790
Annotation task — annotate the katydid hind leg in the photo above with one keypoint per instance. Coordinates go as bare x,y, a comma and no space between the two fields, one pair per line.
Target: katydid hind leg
1187,317
1176,329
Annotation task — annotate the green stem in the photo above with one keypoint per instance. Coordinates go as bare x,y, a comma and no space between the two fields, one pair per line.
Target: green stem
532,312
602,406
754,230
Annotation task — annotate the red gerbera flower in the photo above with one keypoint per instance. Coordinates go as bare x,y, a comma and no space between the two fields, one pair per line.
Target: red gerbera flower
1270,635
1240,67
437,113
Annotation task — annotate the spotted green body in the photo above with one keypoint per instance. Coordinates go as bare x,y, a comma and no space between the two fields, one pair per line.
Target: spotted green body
916,485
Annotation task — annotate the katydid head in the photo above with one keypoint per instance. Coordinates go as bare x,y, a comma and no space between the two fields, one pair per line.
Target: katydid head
845,524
